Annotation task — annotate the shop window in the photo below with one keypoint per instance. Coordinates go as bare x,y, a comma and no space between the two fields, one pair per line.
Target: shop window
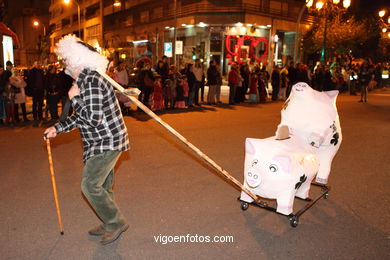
215,46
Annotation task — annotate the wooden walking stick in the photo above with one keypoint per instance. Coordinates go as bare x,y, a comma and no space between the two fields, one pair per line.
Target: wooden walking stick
53,182
223,172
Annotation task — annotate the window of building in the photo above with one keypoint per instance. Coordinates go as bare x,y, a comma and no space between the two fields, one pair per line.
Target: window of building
58,26
93,32
157,13
144,17
65,22
92,11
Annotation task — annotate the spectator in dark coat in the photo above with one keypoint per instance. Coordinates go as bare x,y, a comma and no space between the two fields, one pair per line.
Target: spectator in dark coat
65,83
162,68
36,82
275,82
146,80
212,77
292,78
52,87
191,84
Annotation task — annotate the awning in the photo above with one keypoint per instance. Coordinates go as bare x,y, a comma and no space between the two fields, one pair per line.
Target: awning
7,31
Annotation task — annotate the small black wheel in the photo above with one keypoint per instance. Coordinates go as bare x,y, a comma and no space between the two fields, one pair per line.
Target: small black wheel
326,195
293,220
244,205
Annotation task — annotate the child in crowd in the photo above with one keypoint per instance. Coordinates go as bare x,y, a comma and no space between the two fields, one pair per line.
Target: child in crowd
167,93
184,83
9,98
253,94
179,94
158,103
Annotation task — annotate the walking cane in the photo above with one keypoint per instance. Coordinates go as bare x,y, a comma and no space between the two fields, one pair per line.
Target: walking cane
53,182
223,172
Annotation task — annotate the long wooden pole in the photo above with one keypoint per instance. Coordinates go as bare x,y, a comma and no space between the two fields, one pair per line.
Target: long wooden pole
223,172
53,182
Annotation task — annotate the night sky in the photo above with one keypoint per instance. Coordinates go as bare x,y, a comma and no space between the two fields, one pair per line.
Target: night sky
374,5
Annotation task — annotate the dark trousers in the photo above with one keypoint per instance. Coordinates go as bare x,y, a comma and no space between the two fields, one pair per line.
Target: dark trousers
97,186
23,106
275,92
37,106
52,102
147,91
197,85
232,93
202,91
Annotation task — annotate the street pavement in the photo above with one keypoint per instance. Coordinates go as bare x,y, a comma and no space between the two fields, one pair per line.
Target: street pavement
164,189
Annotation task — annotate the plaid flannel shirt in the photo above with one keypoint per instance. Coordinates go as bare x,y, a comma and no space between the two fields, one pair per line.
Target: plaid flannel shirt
97,115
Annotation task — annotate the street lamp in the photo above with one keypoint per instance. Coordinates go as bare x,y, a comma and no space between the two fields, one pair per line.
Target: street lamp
382,22
36,24
78,13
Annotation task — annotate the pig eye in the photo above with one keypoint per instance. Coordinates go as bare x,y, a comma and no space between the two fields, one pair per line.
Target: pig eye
255,161
255,176
249,174
273,168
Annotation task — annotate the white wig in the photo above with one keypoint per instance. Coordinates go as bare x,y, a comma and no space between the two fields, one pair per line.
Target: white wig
79,55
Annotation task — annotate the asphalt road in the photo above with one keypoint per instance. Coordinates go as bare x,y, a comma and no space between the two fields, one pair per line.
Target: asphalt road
164,189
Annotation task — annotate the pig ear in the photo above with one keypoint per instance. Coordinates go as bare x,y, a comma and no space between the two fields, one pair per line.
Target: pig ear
249,147
284,161
283,132
332,94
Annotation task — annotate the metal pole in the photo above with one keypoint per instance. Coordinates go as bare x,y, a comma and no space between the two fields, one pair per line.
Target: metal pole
297,34
101,23
323,51
78,13
174,32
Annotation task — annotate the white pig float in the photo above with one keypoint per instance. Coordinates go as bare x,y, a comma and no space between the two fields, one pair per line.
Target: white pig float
312,116
279,169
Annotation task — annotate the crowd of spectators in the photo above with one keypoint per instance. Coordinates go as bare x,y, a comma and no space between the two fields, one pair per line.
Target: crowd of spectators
165,87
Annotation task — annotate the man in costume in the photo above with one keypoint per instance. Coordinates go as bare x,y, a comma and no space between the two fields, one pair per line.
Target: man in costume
102,128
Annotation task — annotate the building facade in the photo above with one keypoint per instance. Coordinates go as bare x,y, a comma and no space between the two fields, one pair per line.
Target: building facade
33,42
224,30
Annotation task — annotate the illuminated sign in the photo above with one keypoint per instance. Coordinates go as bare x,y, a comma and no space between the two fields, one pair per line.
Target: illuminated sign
168,49
8,49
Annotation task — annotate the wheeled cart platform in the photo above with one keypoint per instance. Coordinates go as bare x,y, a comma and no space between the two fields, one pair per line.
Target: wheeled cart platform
294,217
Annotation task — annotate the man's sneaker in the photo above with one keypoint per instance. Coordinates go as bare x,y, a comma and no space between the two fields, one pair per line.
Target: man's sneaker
97,231
111,236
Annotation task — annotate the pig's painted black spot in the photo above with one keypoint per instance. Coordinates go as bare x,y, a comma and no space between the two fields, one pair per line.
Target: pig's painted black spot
302,179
